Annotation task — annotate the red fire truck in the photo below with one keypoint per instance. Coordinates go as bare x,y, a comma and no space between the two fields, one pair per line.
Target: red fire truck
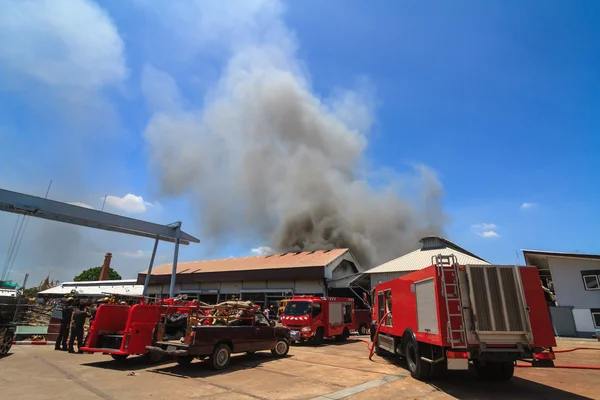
447,315
123,330
315,318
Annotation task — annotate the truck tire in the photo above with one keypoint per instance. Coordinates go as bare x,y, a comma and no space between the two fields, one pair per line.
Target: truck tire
184,360
220,357
281,348
363,330
6,344
345,335
319,336
418,368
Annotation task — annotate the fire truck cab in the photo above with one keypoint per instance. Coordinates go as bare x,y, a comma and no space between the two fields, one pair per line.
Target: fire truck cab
448,315
315,318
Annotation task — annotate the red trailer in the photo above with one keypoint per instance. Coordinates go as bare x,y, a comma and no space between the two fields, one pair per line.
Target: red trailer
315,318
123,330
448,315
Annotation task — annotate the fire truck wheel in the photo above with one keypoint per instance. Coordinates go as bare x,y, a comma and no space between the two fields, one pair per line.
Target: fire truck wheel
119,357
319,336
281,348
418,368
6,344
363,330
184,360
220,357
344,336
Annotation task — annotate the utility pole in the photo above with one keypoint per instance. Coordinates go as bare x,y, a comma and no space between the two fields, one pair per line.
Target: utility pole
20,297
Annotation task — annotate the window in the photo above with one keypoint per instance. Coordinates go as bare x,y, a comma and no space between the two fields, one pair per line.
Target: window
388,307
591,282
347,313
596,317
260,320
316,309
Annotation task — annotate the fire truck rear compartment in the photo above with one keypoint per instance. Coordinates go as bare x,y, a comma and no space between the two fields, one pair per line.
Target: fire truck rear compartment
494,306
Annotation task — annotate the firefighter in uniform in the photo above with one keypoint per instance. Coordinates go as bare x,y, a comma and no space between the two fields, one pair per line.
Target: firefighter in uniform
77,329
63,333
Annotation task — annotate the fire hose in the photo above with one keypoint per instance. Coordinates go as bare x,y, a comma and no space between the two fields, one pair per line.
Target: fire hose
371,348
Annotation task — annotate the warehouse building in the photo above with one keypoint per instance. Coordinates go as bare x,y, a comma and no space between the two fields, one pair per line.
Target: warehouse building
264,280
421,258
574,280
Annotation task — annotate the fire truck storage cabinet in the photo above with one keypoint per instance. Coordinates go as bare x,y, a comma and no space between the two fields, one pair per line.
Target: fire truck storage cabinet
447,315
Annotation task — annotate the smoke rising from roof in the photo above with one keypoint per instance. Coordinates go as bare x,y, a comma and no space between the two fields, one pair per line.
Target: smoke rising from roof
266,159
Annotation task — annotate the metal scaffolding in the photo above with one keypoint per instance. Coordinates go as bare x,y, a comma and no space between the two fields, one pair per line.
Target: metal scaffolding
19,203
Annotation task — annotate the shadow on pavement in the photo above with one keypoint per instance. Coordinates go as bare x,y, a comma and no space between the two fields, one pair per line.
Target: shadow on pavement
134,363
202,369
468,386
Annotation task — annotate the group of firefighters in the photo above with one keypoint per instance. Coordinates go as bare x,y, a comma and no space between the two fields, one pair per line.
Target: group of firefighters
74,315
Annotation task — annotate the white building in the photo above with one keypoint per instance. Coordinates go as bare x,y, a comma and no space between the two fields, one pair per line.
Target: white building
421,258
575,280
124,287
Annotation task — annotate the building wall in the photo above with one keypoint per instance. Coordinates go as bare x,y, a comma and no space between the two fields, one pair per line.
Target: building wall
568,284
570,290
312,286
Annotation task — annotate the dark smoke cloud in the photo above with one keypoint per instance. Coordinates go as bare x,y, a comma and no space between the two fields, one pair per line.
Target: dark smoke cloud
266,159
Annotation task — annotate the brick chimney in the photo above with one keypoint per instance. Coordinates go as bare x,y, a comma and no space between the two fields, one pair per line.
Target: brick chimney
105,267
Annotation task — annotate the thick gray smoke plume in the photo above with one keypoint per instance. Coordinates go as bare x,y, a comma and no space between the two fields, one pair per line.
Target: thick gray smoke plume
267,160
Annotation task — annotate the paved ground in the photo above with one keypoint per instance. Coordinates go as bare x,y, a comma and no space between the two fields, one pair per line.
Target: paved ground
333,371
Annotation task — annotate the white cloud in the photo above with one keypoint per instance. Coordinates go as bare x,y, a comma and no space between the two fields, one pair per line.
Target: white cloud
69,43
489,234
262,250
80,204
484,226
526,206
132,254
486,230
129,203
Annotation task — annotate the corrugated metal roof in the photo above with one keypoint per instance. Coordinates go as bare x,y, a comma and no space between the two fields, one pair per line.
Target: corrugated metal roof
316,258
126,289
421,258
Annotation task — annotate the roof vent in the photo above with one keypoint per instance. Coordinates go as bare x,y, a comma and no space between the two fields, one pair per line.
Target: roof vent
432,242
327,251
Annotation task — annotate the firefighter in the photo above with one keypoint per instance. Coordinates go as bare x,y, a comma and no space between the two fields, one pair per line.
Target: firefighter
63,333
77,329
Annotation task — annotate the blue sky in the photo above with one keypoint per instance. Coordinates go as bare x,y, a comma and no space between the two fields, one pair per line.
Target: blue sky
499,98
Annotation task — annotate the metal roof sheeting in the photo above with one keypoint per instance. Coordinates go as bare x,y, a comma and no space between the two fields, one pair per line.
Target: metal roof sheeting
97,288
421,258
318,258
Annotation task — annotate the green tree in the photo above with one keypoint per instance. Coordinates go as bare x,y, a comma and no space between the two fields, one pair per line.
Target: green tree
93,274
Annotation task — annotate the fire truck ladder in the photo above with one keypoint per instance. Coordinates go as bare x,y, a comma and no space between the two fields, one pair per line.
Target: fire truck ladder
452,297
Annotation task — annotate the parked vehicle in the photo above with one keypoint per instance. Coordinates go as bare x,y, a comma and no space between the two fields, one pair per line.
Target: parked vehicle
123,330
7,335
448,315
224,331
316,318
362,321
